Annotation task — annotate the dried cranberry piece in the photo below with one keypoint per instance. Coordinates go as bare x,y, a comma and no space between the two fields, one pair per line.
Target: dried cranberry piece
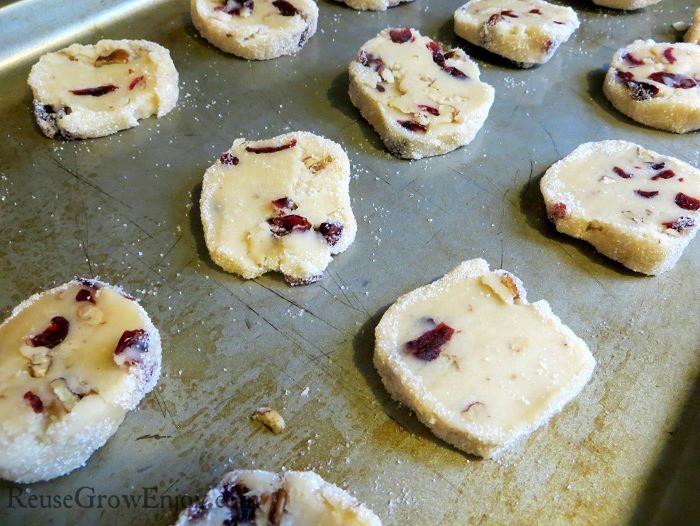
380,88
413,126
279,501
560,23
535,11
369,60
619,171
673,80
118,56
34,401
666,174
331,232
647,193
509,13
629,57
401,36
242,506
427,346
457,73
658,166
95,92
235,7
272,149
196,510
284,225
430,109
228,159
557,212
494,19
638,90
668,55
85,295
53,335
285,8
681,224
284,202
136,81
686,202
438,56
131,345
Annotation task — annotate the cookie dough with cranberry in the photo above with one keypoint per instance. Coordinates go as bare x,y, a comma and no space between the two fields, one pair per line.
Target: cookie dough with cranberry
479,365
626,5
634,205
373,5
280,204
692,36
82,92
421,99
528,32
256,30
657,84
73,361
292,498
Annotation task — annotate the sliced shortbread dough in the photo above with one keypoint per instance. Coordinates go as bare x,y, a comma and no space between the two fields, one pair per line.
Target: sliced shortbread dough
73,361
281,204
421,100
373,5
692,36
256,30
528,32
634,205
479,365
657,84
92,91
262,498
627,5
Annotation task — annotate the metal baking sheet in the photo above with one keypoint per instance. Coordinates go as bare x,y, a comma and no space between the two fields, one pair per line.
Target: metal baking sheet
125,208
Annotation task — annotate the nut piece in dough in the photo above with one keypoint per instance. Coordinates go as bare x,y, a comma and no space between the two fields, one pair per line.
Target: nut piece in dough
271,419
693,34
528,32
82,92
421,99
373,5
626,5
292,498
479,365
65,385
635,206
281,204
256,29
657,84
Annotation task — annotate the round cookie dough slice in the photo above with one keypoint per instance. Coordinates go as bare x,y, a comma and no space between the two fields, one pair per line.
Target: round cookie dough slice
657,84
256,30
626,5
82,92
293,498
281,204
479,365
73,361
528,32
422,100
692,36
373,5
635,206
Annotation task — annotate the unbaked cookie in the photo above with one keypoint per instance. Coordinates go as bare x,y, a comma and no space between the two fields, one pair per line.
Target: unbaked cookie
657,84
693,34
528,32
627,5
256,30
421,99
92,91
293,498
635,206
73,361
281,204
373,5
479,365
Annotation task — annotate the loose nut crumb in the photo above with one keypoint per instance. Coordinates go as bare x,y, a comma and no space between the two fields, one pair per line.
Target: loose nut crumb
270,418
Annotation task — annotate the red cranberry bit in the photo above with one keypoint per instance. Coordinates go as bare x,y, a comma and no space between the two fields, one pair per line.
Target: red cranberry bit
401,36
279,501
560,23
535,12
681,224
429,109
647,193
85,295
196,510
427,347
331,232
241,505
631,59
438,56
619,171
53,335
118,56
284,203
494,19
455,72
228,159
557,212
368,60
271,149
509,13
285,8
380,88
673,80
235,7
284,225
658,166
95,92
136,81
686,202
132,345
668,55
413,126
666,174
473,404
34,401
638,90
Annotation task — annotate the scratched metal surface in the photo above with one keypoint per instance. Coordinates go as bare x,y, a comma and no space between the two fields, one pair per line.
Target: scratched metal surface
125,208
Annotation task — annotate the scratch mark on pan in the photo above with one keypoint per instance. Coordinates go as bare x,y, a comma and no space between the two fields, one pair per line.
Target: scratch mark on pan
550,137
